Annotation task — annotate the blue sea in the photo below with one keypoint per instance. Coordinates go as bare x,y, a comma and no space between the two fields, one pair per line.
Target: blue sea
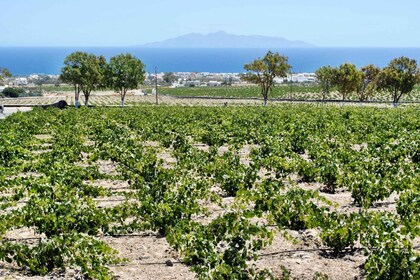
26,61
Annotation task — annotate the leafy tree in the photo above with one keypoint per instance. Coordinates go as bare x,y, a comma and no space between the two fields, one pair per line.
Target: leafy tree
85,72
93,75
4,72
125,72
368,84
326,77
262,71
348,79
169,77
71,73
399,77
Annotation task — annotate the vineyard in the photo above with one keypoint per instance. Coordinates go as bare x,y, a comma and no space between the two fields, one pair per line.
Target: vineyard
238,192
291,91
250,91
243,94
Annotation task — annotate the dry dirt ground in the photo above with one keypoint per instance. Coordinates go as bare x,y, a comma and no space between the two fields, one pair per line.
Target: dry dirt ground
110,98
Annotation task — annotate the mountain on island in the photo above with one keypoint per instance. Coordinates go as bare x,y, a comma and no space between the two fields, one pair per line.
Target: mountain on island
222,39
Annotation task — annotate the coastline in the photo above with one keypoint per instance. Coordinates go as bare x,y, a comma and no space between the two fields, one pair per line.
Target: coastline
23,61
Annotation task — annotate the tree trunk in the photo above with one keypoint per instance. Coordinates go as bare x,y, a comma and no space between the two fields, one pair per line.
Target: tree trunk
265,96
396,98
265,91
76,96
76,102
123,92
86,94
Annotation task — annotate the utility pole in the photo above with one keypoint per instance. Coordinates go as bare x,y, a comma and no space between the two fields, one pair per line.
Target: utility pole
156,86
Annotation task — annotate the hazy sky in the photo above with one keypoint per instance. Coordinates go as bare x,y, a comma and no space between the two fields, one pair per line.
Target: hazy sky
365,23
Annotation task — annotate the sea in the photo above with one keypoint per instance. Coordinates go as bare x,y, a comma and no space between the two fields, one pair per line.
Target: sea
23,61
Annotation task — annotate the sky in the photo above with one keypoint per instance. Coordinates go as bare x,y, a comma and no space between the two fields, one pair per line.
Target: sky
324,23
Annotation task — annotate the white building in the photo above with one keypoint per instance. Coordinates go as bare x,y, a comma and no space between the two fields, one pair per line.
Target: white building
301,77
214,84
192,83
19,82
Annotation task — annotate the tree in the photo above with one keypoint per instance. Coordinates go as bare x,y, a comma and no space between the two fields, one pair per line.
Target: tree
326,77
348,79
4,72
263,71
71,73
169,77
399,77
92,75
368,84
125,72
85,72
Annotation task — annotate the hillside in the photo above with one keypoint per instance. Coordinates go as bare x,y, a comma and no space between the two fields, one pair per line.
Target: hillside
222,39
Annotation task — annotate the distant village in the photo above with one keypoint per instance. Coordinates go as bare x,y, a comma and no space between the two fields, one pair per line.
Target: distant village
172,79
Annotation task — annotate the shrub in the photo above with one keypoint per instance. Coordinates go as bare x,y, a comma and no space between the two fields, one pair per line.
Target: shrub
13,92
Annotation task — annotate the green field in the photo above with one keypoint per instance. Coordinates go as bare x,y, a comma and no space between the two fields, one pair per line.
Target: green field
222,185
293,91
283,91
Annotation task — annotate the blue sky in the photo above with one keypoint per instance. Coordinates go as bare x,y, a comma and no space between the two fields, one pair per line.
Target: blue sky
325,23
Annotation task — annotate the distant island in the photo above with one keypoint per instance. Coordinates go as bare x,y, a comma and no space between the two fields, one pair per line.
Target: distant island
222,39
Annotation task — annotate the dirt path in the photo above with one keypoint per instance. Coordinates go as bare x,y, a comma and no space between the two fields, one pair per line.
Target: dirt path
11,110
